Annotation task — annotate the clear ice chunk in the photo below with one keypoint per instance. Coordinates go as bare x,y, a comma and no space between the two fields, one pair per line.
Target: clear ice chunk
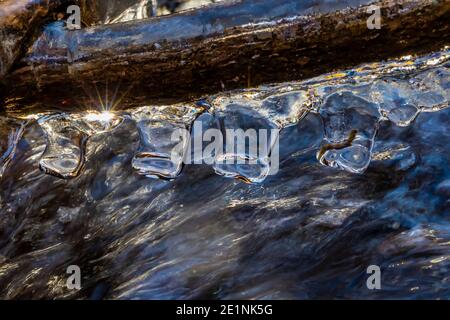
142,9
164,139
303,137
396,100
10,134
345,112
160,155
95,122
202,149
432,89
355,158
64,153
251,144
286,108
245,168
350,125
283,106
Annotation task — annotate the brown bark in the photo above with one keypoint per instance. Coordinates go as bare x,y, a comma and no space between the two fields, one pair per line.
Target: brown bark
224,46
20,21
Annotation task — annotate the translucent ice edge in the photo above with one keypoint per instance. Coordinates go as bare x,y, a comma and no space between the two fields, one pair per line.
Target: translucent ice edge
351,105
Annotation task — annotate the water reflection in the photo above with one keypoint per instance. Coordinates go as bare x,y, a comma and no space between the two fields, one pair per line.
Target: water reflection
310,231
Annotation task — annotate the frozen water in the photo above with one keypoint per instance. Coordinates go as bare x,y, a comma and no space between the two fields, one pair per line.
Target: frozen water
64,154
345,112
432,88
249,139
354,158
159,154
349,106
67,136
287,108
164,139
201,138
350,124
309,231
396,100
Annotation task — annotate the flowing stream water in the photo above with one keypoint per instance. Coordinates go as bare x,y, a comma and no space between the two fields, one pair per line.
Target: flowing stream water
362,178
87,189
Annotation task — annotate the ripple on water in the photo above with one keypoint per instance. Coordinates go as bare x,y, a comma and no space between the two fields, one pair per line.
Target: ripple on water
310,231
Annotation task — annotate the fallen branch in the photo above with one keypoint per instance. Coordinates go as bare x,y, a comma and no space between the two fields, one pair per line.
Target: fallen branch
224,46
20,22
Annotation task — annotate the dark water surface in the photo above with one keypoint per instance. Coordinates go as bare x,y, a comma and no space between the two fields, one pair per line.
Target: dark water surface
310,231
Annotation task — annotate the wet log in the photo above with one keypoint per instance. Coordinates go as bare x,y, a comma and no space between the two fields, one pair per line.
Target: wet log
223,46
20,22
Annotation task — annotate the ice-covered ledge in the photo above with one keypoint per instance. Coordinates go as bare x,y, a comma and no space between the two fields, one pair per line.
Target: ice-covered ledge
223,46
338,115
